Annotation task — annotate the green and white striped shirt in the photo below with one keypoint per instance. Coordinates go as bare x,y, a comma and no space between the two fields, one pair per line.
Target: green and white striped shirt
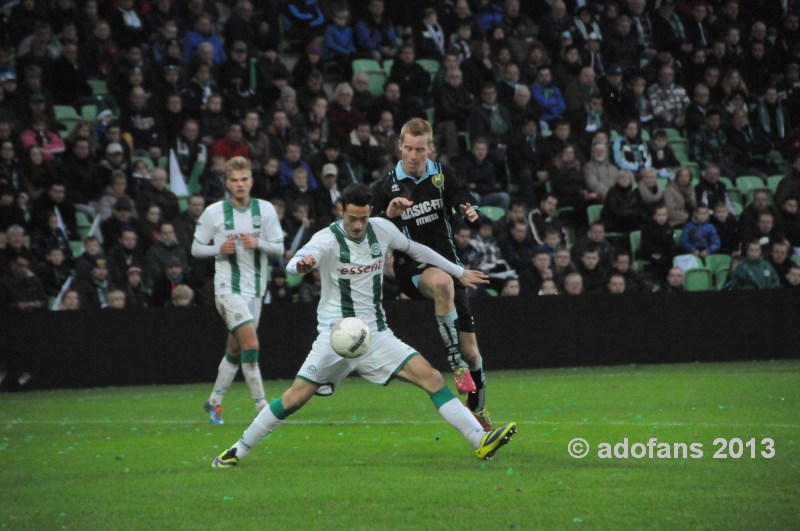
244,272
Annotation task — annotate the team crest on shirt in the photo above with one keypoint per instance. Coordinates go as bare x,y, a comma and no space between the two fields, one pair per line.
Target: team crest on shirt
237,316
312,369
438,180
375,249
256,222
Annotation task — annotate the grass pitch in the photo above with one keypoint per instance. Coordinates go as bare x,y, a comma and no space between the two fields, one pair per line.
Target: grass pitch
374,458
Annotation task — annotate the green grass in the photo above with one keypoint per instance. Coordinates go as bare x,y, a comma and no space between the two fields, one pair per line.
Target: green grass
374,458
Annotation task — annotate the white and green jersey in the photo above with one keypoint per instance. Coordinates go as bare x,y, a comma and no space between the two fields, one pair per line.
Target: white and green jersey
352,271
245,272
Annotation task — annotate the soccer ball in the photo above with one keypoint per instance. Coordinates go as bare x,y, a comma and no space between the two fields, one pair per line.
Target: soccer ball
350,337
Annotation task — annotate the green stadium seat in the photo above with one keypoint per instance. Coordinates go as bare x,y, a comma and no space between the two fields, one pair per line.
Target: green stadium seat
673,134
430,112
796,259
490,292
89,112
76,248
65,112
721,277
83,220
715,262
727,182
737,207
594,213
99,87
635,239
492,212
676,235
377,76
773,181
746,183
680,146
431,66
387,66
698,279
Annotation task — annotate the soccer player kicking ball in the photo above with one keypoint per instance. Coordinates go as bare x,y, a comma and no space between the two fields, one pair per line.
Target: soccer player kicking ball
239,233
420,195
351,254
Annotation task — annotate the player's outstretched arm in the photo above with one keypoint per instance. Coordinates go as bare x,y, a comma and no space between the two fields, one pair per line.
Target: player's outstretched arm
301,265
397,206
471,278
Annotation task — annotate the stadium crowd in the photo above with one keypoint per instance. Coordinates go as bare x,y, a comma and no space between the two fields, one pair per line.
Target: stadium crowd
615,146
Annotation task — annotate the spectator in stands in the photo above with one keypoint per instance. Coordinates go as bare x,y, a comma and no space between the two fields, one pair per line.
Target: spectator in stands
517,247
144,124
697,109
54,271
133,287
232,144
635,282
124,254
478,172
171,276
622,205
299,190
650,193
630,151
780,259
725,224
749,219
121,219
186,222
71,300
94,290
364,152
203,33
375,34
53,235
548,96
658,243
454,103
674,282
390,100
750,145
158,194
596,234
790,220
573,284
710,190
754,272
567,179
115,300
616,284
38,134
339,43
414,81
621,46
343,117
591,270
293,159
117,189
544,217
773,118
159,254
679,198
669,100
528,158
664,159
21,289
699,237
793,276
54,202
599,173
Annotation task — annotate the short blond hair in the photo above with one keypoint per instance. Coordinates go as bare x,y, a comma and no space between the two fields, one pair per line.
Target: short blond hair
417,127
238,164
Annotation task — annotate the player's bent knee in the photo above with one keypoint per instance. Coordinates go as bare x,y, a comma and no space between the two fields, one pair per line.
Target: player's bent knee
297,395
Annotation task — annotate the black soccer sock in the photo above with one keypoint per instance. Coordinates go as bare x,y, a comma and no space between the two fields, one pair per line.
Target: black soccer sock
448,329
477,401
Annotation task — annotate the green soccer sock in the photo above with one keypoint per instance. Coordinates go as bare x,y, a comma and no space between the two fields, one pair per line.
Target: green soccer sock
458,416
265,423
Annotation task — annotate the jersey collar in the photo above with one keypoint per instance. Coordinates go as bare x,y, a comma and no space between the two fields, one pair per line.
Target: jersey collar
338,226
430,170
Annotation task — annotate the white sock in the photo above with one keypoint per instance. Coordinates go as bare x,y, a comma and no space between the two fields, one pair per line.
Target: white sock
461,419
264,424
225,375
252,375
